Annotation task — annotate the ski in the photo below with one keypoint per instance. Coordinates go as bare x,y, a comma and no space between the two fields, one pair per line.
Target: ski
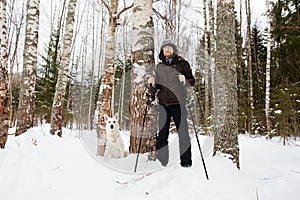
134,179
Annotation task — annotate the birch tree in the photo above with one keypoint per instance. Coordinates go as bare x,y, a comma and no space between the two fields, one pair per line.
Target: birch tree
58,102
171,25
4,111
143,66
14,31
108,82
124,75
268,67
26,107
226,133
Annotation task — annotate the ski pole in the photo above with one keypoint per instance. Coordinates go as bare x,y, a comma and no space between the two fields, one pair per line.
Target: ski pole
148,102
198,141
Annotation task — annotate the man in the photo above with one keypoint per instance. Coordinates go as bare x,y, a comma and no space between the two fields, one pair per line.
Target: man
172,75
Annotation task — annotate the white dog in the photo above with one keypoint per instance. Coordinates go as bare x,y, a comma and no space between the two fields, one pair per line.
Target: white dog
114,142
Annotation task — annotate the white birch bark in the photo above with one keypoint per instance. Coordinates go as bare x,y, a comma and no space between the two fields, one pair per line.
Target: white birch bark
26,107
226,131
121,101
268,68
57,107
108,82
4,111
143,65
13,51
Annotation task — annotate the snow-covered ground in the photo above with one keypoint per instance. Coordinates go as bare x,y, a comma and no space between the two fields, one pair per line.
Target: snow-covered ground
38,166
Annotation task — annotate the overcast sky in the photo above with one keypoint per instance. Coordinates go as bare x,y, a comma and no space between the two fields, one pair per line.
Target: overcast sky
258,8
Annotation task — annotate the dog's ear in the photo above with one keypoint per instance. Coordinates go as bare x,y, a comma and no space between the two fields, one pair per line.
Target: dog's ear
116,116
105,117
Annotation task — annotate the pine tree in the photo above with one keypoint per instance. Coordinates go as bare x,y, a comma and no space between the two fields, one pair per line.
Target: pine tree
47,78
285,64
259,55
286,28
226,133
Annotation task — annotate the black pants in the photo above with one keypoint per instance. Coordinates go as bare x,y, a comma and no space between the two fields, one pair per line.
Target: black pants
179,114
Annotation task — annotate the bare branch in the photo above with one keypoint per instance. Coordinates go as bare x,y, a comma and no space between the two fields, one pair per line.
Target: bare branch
162,17
123,10
108,9
294,28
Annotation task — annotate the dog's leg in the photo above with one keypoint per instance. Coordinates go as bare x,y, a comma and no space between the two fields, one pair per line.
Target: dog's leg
122,152
107,152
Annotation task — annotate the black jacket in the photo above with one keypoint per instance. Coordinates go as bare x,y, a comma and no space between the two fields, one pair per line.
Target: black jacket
171,91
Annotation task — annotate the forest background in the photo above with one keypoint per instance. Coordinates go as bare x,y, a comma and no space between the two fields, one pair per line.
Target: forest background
263,43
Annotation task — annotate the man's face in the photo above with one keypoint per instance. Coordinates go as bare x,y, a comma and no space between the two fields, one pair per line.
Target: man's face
168,51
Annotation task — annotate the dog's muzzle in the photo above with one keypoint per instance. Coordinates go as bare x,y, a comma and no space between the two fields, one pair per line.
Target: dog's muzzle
111,126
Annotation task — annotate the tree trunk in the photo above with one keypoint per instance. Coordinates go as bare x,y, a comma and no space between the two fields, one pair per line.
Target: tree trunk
26,108
143,66
249,59
91,99
268,68
241,82
14,52
206,65
212,49
59,97
226,131
82,93
4,111
108,82
122,90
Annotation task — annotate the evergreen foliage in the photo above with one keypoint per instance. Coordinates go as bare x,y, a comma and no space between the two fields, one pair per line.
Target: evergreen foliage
286,33
259,56
47,78
81,98
285,75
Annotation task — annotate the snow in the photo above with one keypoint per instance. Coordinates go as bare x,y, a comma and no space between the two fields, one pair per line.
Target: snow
37,166
139,72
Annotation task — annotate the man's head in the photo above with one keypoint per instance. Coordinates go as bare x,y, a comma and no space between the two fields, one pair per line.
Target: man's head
168,49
